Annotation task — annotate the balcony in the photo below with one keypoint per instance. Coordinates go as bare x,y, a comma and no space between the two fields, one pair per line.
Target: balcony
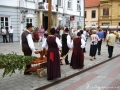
105,17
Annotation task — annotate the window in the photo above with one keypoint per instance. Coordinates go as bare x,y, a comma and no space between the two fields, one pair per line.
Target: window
29,20
85,14
59,2
78,5
69,4
45,1
119,24
4,21
105,11
105,24
31,0
93,14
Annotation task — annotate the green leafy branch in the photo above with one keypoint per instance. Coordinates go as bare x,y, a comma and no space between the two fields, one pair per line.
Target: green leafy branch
12,62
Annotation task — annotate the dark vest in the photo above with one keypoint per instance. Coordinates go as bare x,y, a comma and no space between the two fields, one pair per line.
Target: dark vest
64,40
25,45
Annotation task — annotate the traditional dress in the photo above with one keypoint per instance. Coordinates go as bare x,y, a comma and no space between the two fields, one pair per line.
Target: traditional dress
77,59
53,57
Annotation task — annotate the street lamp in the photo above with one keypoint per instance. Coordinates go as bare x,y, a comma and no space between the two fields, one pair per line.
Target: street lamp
80,13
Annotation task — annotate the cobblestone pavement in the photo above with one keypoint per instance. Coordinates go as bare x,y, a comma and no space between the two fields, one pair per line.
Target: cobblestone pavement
20,82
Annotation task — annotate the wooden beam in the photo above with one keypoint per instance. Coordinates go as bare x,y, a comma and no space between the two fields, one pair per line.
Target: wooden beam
49,15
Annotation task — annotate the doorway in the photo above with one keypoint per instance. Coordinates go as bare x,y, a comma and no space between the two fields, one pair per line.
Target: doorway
45,22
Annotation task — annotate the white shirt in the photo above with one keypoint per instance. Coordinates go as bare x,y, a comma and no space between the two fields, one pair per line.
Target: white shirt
3,31
61,32
83,37
30,42
44,45
85,33
68,41
10,30
119,34
82,44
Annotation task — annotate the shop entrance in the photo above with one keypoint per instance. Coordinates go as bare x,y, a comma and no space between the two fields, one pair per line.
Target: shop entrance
45,22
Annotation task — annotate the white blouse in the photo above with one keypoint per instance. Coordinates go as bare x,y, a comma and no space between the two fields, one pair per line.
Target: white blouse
4,31
94,38
82,43
44,45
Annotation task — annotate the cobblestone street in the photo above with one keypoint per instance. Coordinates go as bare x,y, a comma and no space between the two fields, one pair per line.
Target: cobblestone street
20,82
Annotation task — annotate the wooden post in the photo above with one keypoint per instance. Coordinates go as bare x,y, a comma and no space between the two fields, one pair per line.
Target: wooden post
49,15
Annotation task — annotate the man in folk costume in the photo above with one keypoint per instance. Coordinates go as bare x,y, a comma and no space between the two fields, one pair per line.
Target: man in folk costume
66,44
53,57
27,44
77,59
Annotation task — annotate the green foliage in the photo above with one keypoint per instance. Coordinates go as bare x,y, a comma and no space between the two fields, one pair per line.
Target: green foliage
12,62
79,27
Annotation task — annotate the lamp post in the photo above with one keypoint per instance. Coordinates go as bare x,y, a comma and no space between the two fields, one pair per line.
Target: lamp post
80,12
49,15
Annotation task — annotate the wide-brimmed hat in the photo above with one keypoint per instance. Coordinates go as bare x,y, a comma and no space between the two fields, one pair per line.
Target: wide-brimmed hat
29,25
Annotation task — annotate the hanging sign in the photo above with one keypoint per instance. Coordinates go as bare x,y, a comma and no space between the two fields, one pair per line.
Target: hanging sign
46,5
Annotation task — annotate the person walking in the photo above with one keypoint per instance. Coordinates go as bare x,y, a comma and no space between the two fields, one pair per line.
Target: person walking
41,34
66,44
10,34
101,37
4,34
93,45
119,35
84,38
53,57
28,45
110,43
77,59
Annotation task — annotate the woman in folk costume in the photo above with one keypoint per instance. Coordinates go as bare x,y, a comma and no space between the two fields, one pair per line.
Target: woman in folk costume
53,57
93,46
77,59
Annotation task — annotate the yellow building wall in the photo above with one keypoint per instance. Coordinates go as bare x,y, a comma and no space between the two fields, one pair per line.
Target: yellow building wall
88,19
114,12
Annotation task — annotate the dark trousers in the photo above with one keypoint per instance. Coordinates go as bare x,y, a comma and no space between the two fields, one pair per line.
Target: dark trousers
110,51
27,53
84,50
10,37
99,46
65,50
93,50
5,39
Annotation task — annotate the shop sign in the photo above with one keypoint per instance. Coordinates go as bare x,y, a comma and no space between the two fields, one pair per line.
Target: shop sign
46,5
71,18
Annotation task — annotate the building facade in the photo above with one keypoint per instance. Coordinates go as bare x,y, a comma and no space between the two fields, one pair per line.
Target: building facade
18,13
91,12
109,13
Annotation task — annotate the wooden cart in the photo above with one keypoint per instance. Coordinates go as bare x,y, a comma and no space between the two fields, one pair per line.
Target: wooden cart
38,65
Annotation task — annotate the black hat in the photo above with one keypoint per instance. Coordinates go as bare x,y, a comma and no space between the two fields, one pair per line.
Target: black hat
66,29
29,25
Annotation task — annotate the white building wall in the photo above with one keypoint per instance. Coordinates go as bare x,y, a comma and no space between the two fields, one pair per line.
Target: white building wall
13,9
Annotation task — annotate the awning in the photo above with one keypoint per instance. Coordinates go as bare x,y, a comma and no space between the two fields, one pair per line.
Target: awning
59,18
30,16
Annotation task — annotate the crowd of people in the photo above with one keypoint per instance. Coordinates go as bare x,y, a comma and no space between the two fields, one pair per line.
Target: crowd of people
60,42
